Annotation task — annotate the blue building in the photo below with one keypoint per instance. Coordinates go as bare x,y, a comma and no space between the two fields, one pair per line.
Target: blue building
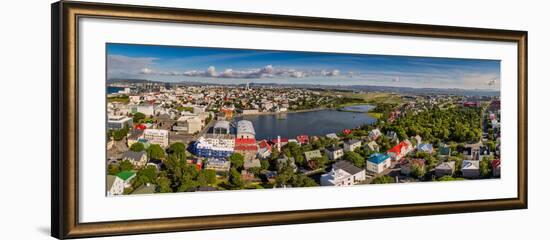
214,146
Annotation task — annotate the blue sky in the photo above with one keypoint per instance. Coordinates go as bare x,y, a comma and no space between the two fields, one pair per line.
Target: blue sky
220,65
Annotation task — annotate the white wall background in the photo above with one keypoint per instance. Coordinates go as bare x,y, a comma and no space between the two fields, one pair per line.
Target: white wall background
25,118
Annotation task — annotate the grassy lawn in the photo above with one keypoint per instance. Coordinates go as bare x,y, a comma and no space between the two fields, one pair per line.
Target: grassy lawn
375,115
374,97
120,99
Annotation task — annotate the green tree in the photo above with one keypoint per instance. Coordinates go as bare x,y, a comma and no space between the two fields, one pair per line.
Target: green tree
126,165
383,180
187,183
201,179
113,169
155,151
178,149
164,185
237,160
120,134
149,172
274,154
264,164
355,158
301,180
319,162
235,179
485,167
210,176
417,171
138,117
137,147
449,178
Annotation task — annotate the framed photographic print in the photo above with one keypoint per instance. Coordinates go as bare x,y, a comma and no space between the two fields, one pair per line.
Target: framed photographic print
167,119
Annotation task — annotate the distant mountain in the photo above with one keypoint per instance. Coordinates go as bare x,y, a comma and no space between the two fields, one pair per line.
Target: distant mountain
127,81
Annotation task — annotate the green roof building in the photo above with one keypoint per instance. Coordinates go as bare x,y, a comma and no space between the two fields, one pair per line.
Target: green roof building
126,175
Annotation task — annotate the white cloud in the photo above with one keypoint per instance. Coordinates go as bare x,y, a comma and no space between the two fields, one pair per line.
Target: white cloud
146,71
266,72
123,66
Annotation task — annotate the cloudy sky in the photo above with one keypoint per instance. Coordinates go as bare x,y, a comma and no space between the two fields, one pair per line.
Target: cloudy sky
219,65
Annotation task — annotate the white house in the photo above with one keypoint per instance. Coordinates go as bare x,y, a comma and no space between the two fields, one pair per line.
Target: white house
343,173
351,145
126,177
157,136
332,136
138,159
378,162
334,153
115,185
374,134
470,168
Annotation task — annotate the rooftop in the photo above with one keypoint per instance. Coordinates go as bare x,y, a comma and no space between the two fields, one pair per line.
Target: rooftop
353,141
470,164
378,158
446,166
245,126
133,155
125,175
346,166
312,154
222,124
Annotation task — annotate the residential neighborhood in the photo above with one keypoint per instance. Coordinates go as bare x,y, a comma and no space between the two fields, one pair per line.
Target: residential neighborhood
179,138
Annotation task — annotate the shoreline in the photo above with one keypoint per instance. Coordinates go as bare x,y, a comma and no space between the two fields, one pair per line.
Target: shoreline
338,108
277,113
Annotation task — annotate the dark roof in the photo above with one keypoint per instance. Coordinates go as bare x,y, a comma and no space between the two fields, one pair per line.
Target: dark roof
347,166
136,156
135,134
332,149
352,141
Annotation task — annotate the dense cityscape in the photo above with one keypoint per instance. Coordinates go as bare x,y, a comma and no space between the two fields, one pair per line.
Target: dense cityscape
169,137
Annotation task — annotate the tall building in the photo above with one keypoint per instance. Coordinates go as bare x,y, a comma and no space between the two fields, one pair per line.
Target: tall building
157,136
214,146
245,130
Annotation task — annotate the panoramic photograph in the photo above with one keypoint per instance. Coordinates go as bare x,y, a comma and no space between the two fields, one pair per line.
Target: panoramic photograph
194,119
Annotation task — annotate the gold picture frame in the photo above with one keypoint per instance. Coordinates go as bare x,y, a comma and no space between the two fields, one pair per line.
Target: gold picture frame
65,127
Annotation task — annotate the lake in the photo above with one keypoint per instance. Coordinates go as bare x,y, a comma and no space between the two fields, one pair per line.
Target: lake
314,123
111,90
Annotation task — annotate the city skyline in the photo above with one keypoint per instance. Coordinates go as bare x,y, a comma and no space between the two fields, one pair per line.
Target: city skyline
237,66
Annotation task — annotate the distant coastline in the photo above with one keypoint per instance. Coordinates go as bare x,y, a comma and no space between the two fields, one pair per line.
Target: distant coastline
367,88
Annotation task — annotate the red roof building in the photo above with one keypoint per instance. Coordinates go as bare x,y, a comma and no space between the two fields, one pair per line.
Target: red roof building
246,145
496,167
140,127
302,139
400,150
470,104
346,131
264,144
244,141
284,141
